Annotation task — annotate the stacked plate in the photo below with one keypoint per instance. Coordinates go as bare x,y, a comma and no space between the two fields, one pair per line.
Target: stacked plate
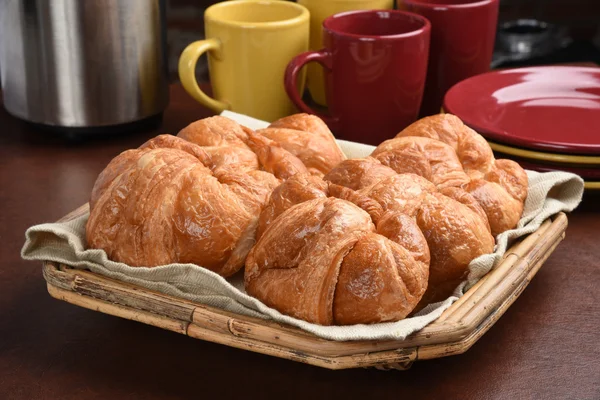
545,118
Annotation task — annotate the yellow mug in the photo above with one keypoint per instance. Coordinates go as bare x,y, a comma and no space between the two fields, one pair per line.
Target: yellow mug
319,10
249,44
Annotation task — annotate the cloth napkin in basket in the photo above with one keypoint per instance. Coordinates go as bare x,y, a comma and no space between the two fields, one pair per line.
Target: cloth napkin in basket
549,193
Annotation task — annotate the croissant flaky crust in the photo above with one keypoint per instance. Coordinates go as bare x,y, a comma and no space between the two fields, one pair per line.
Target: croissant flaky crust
442,149
453,224
325,262
196,198
323,238
435,196
429,237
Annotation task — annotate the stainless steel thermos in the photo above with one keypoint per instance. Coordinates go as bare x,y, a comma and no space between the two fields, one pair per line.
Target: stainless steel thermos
83,63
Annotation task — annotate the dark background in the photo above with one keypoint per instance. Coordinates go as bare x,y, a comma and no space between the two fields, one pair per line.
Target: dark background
580,18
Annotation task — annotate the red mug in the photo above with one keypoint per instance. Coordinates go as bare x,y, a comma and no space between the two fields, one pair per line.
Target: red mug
462,43
375,66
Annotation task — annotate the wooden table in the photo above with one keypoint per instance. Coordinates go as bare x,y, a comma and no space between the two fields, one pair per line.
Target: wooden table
547,345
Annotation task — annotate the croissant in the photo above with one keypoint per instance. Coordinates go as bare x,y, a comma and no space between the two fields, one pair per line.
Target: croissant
315,262
222,133
302,139
308,138
196,198
329,254
442,149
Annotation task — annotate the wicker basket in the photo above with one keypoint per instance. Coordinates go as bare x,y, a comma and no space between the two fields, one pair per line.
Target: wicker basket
454,332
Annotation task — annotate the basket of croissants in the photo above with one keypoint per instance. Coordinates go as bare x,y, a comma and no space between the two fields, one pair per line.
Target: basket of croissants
319,237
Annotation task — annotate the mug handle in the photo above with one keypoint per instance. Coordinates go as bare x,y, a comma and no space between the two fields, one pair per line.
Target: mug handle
323,57
187,72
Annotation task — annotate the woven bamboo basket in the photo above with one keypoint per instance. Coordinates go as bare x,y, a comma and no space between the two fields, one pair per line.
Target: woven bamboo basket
454,332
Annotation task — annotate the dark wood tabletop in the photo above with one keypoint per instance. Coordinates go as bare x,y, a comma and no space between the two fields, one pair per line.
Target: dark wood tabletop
546,346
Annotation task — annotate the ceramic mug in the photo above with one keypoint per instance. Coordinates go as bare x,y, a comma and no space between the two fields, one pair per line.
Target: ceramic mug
375,63
249,43
462,43
319,10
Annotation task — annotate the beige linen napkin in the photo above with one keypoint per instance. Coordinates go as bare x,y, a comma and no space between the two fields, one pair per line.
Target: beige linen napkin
549,193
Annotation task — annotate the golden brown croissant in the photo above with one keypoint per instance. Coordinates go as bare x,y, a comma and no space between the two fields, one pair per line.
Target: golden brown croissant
448,153
308,138
300,140
197,200
473,151
317,262
221,132
169,202
411,224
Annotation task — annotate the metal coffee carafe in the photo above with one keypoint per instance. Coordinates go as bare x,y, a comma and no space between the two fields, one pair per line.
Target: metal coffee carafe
78,64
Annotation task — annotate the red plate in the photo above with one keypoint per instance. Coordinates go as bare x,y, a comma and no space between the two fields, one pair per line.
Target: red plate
541,108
